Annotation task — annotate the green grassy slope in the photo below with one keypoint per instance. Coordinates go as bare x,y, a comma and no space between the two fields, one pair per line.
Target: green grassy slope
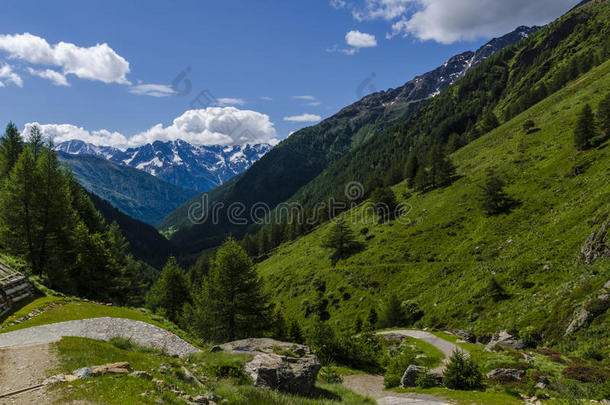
447,253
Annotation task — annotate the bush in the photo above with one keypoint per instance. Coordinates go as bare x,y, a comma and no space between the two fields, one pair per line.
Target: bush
224,365
396,367
530,336
462,373
586,373
591,352
426,380
330,375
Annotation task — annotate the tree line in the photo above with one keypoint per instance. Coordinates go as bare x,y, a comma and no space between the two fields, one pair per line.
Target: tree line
47,219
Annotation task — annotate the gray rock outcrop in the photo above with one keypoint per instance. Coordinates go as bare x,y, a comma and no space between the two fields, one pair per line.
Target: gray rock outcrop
506,374
282,366
505,339
597,244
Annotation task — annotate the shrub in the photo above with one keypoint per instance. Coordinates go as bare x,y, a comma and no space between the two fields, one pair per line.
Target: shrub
462,373
586,373
223,365
530,336
426,380
330,375
591,352
396,367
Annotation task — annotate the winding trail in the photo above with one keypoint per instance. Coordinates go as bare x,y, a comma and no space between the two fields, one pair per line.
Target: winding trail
372,385
140,333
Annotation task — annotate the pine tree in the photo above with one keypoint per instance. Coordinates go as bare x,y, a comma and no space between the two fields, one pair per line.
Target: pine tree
384,201
35,142
392,314
494,199
411,169
490,122
11,145
170,292
372,319
341,239
422,179
603,115
295,334
585,129
233,304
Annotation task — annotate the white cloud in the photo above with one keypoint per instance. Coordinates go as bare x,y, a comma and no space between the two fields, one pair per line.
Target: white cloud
303,118
99,62
7,74
448,21
309,98
212,126
265,98
359,39
314,103
338,4
57,78
152,90
231,101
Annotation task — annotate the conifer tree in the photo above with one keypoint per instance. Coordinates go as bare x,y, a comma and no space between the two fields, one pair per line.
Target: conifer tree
585,129
233,304
341,239
603,115
392,314
170,292
494,199
385,203
11,145
295,334
35,142
411,169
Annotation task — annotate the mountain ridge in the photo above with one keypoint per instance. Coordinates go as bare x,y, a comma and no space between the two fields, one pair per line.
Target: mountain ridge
195,167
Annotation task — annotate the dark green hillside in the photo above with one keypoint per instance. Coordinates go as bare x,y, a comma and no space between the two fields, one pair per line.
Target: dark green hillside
134,192
464,269
145,242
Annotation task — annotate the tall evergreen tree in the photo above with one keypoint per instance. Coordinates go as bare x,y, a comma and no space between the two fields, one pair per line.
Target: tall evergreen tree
494,199
170,292
341,239
603,115
233,304
411,169
392,314
585,129
385,203
35,142
11,145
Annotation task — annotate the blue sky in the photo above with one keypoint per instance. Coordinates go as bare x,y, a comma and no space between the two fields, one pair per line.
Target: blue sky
271,66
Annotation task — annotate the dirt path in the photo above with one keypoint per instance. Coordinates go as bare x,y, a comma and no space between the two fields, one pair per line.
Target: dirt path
23,367
141,333
372,386
441,344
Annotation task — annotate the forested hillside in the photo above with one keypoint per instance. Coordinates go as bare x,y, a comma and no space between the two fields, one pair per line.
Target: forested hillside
136,193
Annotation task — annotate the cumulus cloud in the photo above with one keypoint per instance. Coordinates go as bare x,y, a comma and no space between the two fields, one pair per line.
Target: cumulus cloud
448,21
212,126
57,78
152,90
303,118
231,101
338,4
265,98
99,62
7,75
359,39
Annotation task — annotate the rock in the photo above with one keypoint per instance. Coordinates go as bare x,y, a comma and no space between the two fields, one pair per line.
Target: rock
393,337
466,335
111,368
528,359
506,374
505,339
142,374
215,349
409,378
581,317
540,385
597,244
200,399
288,367
84,372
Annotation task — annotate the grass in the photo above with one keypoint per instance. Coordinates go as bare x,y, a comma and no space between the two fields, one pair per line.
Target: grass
443,254
35,304
75,353
468,397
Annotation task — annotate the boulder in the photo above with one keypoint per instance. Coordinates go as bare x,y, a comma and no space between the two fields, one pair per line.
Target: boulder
466,335
505,339
409,378
506,374
597,244
287,367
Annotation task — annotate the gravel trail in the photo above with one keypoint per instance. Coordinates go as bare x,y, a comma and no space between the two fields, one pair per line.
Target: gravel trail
141,333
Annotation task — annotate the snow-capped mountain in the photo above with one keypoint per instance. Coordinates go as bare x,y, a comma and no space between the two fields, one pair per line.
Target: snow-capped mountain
432,83
195,167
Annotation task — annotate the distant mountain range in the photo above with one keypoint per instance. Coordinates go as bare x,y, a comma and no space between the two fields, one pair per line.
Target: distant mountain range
195,167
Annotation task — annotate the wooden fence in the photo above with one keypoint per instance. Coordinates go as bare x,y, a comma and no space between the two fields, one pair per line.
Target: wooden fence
14,287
